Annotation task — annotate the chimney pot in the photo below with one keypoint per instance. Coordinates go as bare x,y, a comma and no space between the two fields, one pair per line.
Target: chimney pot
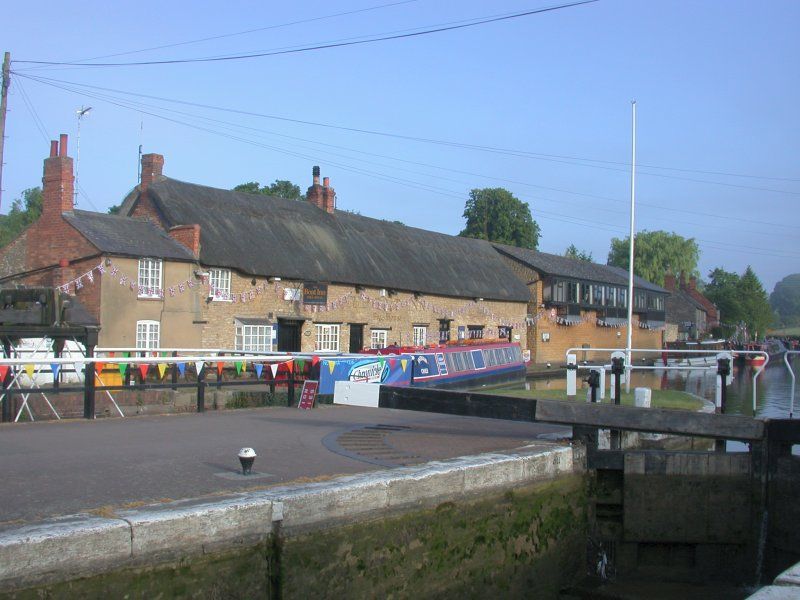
62,147
315,175
326,181
53,148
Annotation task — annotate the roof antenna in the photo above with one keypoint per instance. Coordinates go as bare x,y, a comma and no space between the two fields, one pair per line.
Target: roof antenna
81,112
139,160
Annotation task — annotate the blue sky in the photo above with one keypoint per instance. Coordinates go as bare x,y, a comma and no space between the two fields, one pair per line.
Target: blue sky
717,87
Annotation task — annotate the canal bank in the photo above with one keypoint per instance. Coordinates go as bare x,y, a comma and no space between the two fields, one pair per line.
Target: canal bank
510,523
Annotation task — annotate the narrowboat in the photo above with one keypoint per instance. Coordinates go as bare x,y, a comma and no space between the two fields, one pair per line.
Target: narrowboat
443,366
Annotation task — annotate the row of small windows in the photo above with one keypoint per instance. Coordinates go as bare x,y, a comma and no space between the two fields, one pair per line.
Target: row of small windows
595,294
151,280
469,360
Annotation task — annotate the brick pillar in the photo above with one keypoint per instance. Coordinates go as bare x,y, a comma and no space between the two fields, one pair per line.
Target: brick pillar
189,236
152,169
669,281
58,182
328,196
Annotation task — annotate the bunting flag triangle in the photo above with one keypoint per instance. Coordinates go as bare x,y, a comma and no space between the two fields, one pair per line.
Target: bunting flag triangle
143,369
3,372
123,367
289,365
29,369
381,360
259,367
162,368
404,363
220,366
301,364
331,366
54,367
392,363
182,368
244,365
111,354
274,368
128,354
98,367
238,365
314,360
199,366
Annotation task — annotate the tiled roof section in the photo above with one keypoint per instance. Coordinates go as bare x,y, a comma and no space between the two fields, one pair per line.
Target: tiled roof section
126,236
267,236
553,264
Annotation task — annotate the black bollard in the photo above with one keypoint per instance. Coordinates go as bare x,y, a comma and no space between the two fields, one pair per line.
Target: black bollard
594,382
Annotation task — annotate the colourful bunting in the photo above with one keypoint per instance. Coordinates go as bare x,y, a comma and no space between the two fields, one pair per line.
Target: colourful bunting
301,364
289,365
98,367
314,360
30,369
404,363
392,363
123,367
274,368
220,366
331,366
238,365
182,369
143,369
162,368
199,366
54,367
259,367
3,372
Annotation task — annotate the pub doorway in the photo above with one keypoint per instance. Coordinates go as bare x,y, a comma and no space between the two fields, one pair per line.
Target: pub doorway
356,338
289,331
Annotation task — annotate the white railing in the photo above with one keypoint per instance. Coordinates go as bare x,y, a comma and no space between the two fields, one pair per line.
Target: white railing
661,352
791,372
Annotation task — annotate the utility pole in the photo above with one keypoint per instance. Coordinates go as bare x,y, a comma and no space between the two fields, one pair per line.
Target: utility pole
628,354
3,103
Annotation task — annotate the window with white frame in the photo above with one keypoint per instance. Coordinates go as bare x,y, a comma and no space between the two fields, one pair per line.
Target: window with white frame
420,335
147,334
253,336
220,282
379,338
149,278
327,337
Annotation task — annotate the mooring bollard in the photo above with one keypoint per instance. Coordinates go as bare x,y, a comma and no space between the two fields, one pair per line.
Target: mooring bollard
723,372
594,382
247,457
617,369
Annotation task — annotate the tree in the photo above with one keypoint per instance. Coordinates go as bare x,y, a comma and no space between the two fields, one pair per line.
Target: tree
740,299
494,214
573,252
654,252
282,188
20,216
785,300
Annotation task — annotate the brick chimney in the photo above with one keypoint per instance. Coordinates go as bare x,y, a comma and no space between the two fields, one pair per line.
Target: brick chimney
669,281
58,182
152,169
683,280
322,196
189,236
693,283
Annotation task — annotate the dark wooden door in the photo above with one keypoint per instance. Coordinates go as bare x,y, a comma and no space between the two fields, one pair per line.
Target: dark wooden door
289,335
356,338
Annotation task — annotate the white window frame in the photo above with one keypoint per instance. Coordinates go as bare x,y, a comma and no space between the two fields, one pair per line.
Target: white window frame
253,338
378,338
148,334
420,335
219,281
327,337
150,271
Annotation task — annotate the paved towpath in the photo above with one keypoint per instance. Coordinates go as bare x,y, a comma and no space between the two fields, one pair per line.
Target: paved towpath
55,468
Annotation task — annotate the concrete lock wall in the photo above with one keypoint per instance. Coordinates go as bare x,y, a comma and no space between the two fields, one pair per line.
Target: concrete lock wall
508,524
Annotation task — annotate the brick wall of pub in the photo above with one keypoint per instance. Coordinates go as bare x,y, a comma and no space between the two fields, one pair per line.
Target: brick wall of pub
219,329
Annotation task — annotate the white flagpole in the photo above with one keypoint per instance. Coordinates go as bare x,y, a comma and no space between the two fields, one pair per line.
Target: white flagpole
628,355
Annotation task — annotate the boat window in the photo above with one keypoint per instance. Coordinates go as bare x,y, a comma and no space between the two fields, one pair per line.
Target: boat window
517,354
488,358
509,356
477,359
498,356
458,358
468,362
448,359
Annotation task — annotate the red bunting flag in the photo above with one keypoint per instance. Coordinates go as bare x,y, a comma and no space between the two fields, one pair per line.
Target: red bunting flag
220,366
289,365
3,372
143,369
314,360
98,367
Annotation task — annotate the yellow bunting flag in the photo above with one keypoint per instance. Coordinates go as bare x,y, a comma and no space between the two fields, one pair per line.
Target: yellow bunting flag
162,368
29,369
404,363
331,365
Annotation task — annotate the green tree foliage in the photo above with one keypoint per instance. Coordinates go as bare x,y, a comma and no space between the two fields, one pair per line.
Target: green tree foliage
494,214
281,188
573,252
24,211
740,299
654,251
785,300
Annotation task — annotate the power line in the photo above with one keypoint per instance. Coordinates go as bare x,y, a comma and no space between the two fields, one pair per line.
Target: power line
137,107
449,143
32,110
483,21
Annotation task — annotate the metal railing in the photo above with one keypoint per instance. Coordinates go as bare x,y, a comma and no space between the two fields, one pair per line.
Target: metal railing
663,352
791,372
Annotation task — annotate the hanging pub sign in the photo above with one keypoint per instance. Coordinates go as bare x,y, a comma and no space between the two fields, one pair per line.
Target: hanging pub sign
315,293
